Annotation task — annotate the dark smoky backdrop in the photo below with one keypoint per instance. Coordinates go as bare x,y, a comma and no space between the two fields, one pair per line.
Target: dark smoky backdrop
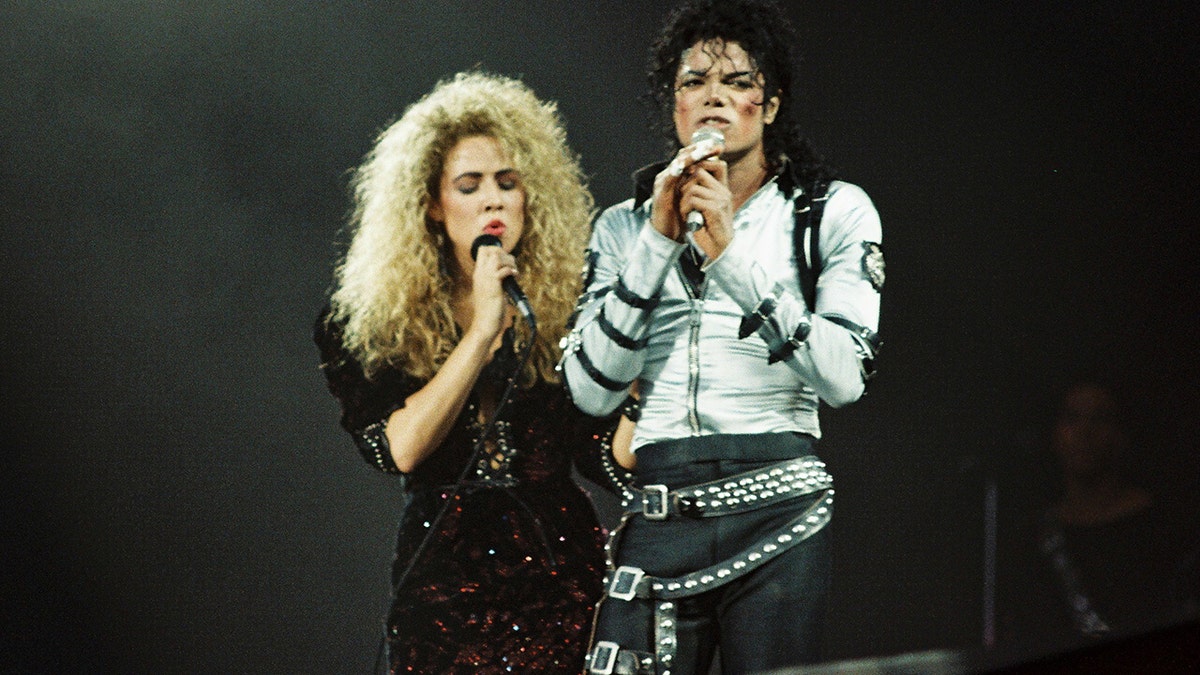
178,495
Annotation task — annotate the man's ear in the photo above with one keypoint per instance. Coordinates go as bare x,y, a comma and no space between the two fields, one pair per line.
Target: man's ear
770,110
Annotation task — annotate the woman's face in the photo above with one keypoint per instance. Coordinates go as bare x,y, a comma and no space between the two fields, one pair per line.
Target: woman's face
479,193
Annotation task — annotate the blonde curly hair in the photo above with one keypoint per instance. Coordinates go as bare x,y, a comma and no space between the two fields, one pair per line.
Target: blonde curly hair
391,291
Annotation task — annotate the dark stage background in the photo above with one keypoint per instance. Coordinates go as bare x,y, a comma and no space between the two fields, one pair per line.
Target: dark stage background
178,496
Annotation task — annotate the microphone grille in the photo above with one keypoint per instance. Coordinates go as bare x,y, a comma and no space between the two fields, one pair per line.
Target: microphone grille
483,240
710,135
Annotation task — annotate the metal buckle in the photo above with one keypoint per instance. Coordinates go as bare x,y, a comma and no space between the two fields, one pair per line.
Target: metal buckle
603,658
625,582
654,502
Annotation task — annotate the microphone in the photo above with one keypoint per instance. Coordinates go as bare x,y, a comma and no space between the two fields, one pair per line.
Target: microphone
705,138
509,284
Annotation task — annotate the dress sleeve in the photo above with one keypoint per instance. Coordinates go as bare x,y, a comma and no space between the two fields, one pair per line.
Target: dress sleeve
366,403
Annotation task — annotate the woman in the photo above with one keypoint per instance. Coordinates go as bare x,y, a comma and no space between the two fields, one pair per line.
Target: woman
499,562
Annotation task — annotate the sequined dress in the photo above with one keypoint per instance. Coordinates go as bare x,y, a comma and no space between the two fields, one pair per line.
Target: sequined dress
508,581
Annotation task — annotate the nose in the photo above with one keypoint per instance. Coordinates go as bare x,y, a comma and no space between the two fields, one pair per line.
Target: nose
491,196
714,92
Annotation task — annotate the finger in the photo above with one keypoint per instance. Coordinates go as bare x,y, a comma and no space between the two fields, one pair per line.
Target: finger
719,169
704,150
713,169
690,155
698,200
495,257
702,183
486,258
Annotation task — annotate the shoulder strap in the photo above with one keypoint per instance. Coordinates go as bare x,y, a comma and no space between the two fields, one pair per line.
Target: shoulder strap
808,208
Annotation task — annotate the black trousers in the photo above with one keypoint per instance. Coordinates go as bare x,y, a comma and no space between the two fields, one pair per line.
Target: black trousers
769,619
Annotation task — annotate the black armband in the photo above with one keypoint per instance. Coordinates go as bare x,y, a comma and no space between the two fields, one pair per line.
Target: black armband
617,336
597,376
630,298
868,337
867,340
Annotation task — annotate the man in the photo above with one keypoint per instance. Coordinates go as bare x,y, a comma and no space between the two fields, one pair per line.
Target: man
696,301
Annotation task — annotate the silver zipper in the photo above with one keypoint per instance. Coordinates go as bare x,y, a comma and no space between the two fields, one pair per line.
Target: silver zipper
697,310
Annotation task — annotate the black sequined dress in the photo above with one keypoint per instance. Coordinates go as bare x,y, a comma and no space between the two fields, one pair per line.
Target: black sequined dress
509,578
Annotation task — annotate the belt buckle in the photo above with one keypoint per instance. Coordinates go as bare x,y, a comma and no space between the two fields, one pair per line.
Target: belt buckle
603,658
625,582
654,502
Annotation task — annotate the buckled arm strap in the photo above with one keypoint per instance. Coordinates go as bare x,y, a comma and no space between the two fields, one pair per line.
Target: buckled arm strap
751,322
793,342
869,337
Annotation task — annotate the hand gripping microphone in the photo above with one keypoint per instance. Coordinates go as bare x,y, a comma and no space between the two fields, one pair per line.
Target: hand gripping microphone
509,284
705,138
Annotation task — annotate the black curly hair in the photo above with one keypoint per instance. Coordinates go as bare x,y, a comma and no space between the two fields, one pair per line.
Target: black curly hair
763,30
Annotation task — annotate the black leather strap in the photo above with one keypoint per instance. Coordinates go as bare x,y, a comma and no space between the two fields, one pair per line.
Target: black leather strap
808,208
630,298
621,339
753,321
627,583
597,376
793,343
870,337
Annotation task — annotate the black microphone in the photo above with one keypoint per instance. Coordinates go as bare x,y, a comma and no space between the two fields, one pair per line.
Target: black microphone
709,136
509,284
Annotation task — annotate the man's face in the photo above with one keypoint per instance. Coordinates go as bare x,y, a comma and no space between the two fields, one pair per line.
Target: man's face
718,85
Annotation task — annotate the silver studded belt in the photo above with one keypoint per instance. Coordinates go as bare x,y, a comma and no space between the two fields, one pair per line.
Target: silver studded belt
742,492
627,582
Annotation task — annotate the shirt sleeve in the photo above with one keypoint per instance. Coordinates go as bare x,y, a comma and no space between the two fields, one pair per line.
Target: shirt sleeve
831,349
604,352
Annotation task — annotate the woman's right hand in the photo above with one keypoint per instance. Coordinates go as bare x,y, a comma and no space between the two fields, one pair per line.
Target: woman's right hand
489,305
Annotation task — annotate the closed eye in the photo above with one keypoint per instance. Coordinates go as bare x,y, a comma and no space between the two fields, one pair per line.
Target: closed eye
508,179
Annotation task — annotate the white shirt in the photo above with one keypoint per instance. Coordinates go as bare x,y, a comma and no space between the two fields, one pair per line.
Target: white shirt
695,376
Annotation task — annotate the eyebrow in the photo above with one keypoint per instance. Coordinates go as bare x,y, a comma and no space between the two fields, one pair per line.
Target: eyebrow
479,174
737,73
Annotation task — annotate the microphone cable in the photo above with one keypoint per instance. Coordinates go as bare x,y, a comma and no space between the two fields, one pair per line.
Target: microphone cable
452,493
